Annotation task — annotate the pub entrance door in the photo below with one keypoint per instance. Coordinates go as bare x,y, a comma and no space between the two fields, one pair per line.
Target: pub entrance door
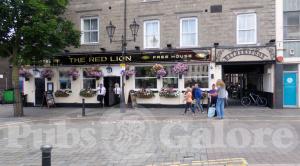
109,84
39,91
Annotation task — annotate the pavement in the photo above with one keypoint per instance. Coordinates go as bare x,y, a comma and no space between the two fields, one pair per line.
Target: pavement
150,136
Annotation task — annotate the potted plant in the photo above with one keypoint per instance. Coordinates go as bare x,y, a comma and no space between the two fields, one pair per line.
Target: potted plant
128,72
25,73
180,69
74,73
62,93
159,70
47,73
144,93
169,92
93,72
87,93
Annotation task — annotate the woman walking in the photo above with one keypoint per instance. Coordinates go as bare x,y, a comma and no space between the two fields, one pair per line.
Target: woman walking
188,99
221,91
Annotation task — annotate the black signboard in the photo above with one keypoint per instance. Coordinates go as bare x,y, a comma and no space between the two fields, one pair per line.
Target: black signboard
140,57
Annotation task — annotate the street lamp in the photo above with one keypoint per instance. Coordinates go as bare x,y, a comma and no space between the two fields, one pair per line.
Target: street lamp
134,27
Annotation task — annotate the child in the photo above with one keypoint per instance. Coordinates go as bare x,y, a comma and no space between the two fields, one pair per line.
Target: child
188,99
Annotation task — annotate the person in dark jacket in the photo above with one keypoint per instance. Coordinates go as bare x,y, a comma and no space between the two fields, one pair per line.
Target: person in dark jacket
198,95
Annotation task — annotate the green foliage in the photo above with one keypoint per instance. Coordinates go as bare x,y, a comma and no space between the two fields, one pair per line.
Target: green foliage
34,28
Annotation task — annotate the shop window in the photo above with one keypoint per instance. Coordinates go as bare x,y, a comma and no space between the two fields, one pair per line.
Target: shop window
90,30
89,82
64,80
246,28
144,78
188,32
171,80
199,76
292,25
151,34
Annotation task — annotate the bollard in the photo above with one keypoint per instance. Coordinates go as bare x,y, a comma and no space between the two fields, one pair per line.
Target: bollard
46,155
83,107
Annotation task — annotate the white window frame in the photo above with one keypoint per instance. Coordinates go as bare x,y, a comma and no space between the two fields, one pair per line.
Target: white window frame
189,18
82,30
237,29
64,78
158,24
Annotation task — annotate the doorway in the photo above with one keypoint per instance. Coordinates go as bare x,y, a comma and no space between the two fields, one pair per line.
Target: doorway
289,89
109,84
39,91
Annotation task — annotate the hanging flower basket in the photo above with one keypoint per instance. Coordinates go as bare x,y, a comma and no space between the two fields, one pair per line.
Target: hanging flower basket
159,70
62,93
47,73
87,93
93,72
74,73
144,93
169,93
180,69
128,72
24,73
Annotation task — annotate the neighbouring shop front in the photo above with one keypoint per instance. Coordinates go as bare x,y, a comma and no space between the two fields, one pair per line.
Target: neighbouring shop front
248,69
157,77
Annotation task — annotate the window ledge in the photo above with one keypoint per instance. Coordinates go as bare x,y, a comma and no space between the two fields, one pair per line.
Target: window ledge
150,1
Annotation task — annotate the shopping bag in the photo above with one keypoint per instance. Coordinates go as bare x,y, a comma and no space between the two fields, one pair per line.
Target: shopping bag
211,112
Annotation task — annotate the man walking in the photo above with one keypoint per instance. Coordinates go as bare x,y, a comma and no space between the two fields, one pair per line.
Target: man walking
197,95
101,91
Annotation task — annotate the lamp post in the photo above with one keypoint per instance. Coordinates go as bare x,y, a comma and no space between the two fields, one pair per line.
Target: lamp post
134,27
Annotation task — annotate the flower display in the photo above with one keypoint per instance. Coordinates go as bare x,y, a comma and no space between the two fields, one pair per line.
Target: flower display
180,68
159,70
87,93
128,71
169,92
24,73
144,93
62,93
47,73
93,72
74,73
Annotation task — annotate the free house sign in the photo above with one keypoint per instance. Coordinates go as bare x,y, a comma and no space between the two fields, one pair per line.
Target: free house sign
247,54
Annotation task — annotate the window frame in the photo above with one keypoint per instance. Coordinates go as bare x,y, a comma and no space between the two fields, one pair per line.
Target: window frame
193,69
152,77
83,31
144,33
197,32
68,79
285,25
238,30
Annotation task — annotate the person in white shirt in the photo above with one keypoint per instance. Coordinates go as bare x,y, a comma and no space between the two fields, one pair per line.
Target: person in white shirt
117,93
101,91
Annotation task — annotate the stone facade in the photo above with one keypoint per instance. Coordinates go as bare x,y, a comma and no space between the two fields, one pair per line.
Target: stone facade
212,27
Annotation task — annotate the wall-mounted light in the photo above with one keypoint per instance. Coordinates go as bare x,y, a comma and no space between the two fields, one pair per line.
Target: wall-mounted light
169,46
216,44
109,69
103,49
137,48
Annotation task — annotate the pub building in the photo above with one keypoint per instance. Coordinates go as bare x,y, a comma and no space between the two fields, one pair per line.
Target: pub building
70,92
243,69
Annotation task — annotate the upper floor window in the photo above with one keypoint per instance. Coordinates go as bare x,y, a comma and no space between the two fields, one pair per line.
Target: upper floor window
292,25
90,30
189,32
246,28
151,34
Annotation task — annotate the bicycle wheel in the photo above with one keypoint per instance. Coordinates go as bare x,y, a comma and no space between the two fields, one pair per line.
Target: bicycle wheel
245,101
262,101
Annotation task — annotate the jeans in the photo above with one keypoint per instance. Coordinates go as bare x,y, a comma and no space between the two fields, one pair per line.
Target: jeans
188,105
220,107
198,105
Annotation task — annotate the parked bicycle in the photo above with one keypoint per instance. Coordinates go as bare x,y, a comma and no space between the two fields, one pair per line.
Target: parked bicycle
254,98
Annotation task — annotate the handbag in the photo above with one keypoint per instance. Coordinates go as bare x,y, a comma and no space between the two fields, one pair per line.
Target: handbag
211,112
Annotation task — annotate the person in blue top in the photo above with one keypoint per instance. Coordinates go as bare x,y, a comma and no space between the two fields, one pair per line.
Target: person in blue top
197,98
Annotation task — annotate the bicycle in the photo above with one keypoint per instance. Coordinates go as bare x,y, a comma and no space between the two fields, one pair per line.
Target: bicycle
256,99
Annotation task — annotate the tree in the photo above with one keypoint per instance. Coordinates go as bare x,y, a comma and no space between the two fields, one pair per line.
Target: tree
33,28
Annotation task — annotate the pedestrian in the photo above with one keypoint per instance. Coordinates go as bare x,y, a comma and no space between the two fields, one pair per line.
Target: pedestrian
213,97
221,91
101,91
117,93
197,96
188,99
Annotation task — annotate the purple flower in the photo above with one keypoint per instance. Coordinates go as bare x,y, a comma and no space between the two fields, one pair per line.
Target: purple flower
24,73
47,73
73,73
162,72
180,68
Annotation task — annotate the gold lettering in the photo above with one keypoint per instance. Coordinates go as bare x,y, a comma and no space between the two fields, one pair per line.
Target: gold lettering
128,58
103,59
91,59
